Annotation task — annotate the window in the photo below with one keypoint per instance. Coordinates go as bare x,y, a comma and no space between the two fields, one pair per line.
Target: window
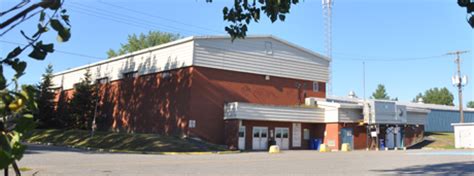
242,132
285,133
264,134
268,48
315,87
131,74
306,134
166,74
102,80
192,124
256,134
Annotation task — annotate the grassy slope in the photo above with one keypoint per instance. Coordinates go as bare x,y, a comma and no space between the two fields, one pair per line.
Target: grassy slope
120,141
440,140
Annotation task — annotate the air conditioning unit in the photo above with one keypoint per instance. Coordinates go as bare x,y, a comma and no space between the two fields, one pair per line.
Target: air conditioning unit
312,101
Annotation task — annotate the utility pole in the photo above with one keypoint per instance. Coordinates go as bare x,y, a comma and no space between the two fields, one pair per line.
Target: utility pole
458,81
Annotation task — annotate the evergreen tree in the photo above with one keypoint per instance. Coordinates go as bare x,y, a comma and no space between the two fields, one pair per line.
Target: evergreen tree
45,96
380,93
82,104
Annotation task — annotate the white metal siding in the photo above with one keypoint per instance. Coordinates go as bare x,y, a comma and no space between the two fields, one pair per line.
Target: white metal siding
161,59
246,111
350,115
251,56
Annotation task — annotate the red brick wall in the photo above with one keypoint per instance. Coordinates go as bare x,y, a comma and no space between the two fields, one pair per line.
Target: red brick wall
146,104
212,88
153,104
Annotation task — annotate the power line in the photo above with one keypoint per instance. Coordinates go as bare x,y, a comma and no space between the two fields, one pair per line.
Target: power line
59,51
159,17
128,18
391,59
124,19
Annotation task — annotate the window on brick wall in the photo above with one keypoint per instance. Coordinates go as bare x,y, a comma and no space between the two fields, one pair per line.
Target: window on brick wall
104,80
315,87
131,74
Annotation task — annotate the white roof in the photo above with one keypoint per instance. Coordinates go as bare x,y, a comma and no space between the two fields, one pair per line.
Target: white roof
410,105
183,40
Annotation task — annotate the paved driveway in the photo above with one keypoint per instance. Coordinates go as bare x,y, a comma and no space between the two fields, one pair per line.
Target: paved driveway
61,161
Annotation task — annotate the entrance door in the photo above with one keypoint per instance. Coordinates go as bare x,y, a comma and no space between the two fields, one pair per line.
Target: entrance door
282,138
242,138
260,138
390,137
347,137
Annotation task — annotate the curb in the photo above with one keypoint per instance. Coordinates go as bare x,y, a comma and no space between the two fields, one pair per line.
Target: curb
101,150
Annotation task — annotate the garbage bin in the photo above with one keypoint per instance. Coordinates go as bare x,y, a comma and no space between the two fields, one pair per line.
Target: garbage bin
382,144
317,143
311,144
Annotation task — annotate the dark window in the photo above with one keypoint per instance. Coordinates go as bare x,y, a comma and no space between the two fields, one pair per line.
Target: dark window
131,74
315,87
102,80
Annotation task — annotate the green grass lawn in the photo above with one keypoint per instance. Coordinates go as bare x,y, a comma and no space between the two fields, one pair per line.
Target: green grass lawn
119,141
440,140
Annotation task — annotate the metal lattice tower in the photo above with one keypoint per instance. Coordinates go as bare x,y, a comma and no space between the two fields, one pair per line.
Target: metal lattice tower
327,14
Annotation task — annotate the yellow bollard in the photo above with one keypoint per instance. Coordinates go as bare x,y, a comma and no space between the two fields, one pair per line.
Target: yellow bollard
324,148
346,147
274,149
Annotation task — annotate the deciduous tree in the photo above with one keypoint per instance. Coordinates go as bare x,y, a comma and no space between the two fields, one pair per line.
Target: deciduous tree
17,104
437,96
142,41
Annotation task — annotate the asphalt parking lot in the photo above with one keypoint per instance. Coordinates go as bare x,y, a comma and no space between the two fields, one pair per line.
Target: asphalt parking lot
62,161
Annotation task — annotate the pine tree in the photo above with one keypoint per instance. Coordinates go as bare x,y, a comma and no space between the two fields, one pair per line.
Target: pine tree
45,96
82,103
380,93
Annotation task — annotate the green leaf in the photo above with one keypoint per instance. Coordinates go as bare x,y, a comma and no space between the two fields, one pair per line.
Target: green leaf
64,35
56,25
3,81
56,4
65,18
42,15
17,51
282,17
37,53
41,29
5,159
48,47
19,68
25,123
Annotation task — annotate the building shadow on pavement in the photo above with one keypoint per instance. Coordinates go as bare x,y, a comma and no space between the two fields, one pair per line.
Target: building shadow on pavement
422,144
36,149
455,168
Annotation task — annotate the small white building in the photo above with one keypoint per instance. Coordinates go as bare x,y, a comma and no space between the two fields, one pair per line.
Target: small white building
463,135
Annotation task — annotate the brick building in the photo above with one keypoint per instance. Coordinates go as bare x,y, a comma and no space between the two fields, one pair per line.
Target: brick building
239,93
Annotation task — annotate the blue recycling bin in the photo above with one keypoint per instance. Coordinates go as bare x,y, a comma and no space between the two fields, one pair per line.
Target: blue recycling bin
317,143
382,144
314,144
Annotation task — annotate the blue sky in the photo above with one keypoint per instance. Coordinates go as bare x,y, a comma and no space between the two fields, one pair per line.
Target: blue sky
378,31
